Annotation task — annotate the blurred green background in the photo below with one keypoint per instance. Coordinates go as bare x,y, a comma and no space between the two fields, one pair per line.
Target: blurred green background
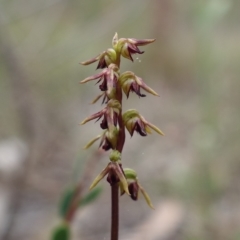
192,174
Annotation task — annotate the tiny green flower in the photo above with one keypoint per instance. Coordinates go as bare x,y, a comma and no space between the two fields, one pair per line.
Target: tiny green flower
111,138
110,114
135,122
134,187
114,174
105,58
130,82
108,139
108,76
129,46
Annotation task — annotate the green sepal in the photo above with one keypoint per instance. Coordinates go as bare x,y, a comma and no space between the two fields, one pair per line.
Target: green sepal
130,174
90,197
61,232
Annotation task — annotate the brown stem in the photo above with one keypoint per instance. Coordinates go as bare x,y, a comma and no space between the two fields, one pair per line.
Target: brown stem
115,211
115,187
121,136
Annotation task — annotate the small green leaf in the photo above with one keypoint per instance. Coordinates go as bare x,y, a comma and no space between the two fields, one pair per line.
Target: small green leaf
62,232
66,201
91,196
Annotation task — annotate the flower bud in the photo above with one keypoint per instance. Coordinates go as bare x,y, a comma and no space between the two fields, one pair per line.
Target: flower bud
115,156
133,121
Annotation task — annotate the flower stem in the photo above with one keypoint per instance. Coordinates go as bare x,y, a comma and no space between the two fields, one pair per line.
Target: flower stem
121,137
115,211
115,186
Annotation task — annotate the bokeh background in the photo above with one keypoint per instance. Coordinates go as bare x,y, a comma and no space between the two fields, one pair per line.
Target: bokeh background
192,174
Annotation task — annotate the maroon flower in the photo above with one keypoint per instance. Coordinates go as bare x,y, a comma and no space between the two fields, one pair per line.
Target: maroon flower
114,174
134,187
105,59
108,139
130,82
129,46
108,78
109,113
133,121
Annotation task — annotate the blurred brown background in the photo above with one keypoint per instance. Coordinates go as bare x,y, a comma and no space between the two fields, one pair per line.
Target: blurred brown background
192,174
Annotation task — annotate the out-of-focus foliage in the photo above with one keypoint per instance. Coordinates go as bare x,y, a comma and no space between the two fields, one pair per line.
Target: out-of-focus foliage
90,197
84,200
66,201
62,232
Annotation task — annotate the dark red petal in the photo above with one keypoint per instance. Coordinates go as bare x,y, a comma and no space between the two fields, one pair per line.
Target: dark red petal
103,86
135,88
134,49
130,53
102,63
133,190
104,124
107,145
112,177
140,128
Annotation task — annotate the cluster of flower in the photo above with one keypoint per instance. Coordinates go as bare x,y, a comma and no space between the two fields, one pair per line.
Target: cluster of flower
112,84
